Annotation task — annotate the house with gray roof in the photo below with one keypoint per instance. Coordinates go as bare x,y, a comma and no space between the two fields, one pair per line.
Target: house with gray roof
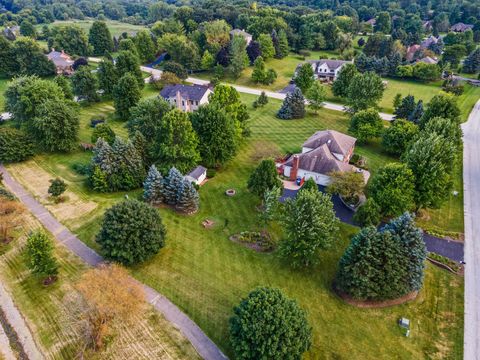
248,37
325,69
431,40
197,175
461,27
186,97
322,153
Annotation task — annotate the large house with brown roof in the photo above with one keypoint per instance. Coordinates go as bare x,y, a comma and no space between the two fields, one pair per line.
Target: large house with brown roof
324,152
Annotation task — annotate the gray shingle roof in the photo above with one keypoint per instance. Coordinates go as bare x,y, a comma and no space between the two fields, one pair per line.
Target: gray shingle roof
239,32
197,172
188,92
320,161
461,27
337,142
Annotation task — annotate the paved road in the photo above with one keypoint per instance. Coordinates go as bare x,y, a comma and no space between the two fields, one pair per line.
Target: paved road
448,248
252,91
204,346
471,186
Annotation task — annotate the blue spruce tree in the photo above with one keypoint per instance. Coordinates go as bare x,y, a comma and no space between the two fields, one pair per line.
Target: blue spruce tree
153,186
172,185
188,199
293,106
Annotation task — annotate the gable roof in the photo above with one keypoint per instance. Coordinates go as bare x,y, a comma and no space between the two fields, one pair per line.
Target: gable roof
60,58
332,64
336,141
197,172
187,92
320,161
428,41
428,60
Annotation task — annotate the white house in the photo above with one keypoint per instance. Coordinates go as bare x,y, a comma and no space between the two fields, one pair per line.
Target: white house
197,175
326,69
248,38
186,97
324,152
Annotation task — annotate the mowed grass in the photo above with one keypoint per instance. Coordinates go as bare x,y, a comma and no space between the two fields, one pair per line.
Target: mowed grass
50,317
116,27
206,274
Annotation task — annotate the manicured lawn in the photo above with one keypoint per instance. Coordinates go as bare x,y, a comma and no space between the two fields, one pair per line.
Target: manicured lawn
116,27
285,69
49,315
206,274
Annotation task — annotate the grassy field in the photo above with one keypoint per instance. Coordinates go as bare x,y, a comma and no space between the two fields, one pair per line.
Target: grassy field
48,314
116,27
206,274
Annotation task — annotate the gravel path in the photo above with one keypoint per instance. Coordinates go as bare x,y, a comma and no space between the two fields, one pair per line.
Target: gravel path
17,322
200,341
471,188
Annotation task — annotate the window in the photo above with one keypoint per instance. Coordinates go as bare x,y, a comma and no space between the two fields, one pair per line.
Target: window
183,103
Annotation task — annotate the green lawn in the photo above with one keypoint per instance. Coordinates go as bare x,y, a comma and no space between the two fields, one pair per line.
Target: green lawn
116,27
206,275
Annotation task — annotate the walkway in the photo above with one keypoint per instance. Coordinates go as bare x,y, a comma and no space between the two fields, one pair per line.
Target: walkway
200,341
448,248
471,188
252,91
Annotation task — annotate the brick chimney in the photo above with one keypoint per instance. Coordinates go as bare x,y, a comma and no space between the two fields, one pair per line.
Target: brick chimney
294,170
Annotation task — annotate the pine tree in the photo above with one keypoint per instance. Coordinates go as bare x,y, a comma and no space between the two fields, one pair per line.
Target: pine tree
293,106
407,106
40,257
172,185
259,73
471,64
276,43
283,47
417,113
153,186
188,198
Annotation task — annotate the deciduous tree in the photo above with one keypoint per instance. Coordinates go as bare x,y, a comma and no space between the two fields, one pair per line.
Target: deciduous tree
100,38
316,96
85,84
40,257
126,95
304,78
264,178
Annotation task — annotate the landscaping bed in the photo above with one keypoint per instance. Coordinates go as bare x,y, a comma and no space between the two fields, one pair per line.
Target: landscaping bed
372,304
258,241
445,263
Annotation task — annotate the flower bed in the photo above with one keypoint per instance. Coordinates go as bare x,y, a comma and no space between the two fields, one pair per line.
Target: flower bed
445,263
258,241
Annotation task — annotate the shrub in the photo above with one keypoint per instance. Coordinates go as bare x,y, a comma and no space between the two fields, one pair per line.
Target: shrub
103,131
131,232
268,325
15,145
57,187
368,214
175,68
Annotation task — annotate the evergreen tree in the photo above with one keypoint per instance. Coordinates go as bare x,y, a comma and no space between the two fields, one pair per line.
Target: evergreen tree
187,198
304,77
417,113
100,38
266,46
293,106
471,64
153,186
107,77
283,47
126,95
259,73
172,185
406,108
238,55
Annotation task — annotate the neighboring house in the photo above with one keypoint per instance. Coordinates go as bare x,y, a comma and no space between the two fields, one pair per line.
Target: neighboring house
325,69
248,38
372,22
197,175
11,32
461,27
428,60
412,51
324,152
431,40
186,97
62,61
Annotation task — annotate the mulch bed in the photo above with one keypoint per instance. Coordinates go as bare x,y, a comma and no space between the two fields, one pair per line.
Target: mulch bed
254,246
372,304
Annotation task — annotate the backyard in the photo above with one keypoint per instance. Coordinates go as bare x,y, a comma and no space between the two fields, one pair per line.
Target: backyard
205,274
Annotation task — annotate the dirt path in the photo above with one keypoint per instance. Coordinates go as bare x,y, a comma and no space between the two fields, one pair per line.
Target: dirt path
5,349
200,341
17,322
